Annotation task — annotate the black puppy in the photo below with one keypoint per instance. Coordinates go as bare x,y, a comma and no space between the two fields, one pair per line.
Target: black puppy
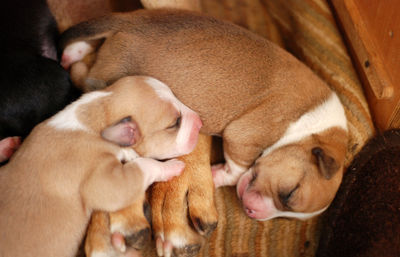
33,86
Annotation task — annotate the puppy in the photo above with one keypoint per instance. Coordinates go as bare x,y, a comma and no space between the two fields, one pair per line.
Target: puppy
33,85
284,131
86,158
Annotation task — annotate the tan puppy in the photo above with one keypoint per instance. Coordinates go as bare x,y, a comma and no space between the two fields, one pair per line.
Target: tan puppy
187,199
86,158
284,131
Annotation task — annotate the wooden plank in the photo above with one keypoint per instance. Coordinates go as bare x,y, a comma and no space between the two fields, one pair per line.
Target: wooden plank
372,30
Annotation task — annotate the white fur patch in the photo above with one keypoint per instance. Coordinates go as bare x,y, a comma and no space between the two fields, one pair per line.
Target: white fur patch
327,115
99,254
184,132
229,174
164,92
289,214
127,155
77,50
118,227
67,119
177,240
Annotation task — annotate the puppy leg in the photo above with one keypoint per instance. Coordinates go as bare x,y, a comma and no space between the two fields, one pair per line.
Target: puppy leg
120,184
98,236
79,71
243,143
132,224
113,185
8,146
190,195
109,234
105,70
100,242
227,174
192,5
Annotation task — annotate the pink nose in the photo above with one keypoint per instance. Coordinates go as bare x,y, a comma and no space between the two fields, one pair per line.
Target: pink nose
256,207
65,61
196,126
197,123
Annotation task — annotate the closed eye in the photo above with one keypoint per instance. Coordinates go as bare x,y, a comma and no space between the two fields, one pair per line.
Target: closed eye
176,123
253,177
286,197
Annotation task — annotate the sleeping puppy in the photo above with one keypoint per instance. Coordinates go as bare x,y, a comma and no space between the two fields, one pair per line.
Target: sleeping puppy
33,85
93,155
284,131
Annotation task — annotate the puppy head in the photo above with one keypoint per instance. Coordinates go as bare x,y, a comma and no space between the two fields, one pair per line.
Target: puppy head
142,112
297,180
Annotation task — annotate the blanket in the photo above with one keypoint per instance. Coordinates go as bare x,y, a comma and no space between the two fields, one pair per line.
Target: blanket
364,219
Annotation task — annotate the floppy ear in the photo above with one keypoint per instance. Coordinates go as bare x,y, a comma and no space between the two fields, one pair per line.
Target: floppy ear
123,133
328,166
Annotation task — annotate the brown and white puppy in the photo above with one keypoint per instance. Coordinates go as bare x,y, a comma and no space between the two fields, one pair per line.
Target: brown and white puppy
284,131
86,158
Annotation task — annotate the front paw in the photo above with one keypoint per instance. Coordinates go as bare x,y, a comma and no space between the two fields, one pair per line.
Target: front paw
118,233
227,174
132,224
99,241
183,209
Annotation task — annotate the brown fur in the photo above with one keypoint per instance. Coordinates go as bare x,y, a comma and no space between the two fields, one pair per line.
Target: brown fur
244,88
193,187
281,177
72,12
59,176
267,86
193,5
169,208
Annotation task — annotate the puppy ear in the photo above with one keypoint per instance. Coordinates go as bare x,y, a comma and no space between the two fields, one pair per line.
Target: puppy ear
123,133
327,164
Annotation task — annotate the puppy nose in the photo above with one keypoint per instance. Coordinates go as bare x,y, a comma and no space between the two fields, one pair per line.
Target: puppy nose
249,211
252,213
199,123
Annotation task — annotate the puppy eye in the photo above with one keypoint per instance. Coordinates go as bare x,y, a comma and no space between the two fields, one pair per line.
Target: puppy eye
177,122
253,177
126,119
285,197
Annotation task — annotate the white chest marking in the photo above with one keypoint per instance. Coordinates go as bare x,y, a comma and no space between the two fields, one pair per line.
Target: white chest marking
327,115
67,118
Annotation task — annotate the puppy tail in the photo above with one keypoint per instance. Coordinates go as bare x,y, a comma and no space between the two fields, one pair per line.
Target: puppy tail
92,31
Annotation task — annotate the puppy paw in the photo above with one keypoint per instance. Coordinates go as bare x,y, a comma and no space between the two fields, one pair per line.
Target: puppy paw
166,248
226,174
131,223
171,168
8,146
118,233
99,240
219,174
183,209
75,52
92,84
